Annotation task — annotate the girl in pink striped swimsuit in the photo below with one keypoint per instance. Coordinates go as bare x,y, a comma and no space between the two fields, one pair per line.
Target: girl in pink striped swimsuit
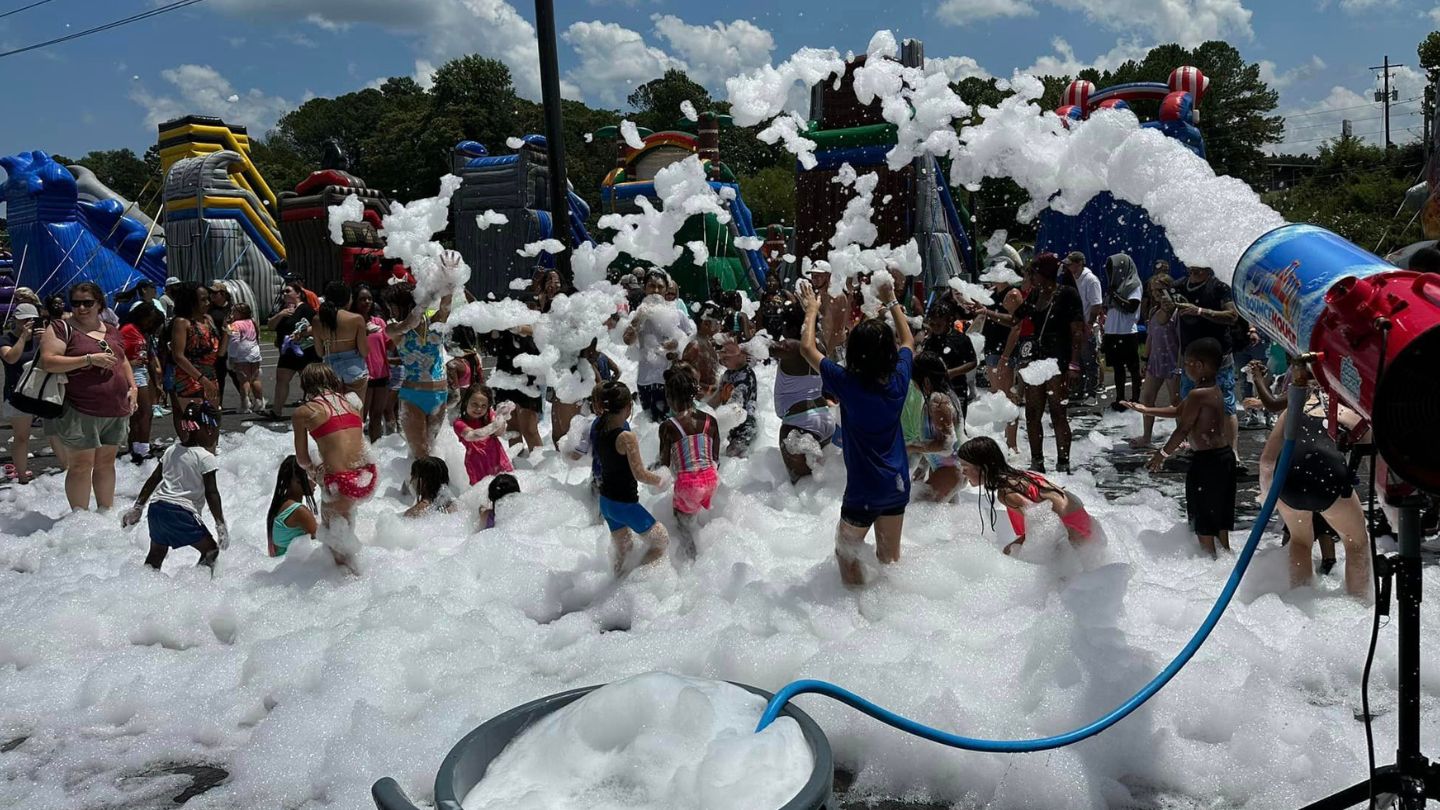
687,446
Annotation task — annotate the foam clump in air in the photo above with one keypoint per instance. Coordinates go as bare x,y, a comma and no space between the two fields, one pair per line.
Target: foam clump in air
631,134
1209,220
514,142
787,129
490,217
651,742
551,246
407,231
687,109
764,93
649,234
350,209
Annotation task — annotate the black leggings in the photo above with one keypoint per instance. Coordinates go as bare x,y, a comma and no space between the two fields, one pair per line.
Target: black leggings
1122,353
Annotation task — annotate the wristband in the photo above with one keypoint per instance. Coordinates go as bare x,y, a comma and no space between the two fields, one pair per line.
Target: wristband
1162,453
1074,366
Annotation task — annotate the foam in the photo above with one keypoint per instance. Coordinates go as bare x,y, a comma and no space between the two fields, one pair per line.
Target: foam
651,742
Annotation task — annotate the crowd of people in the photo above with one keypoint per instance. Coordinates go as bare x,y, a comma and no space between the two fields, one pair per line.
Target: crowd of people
885,375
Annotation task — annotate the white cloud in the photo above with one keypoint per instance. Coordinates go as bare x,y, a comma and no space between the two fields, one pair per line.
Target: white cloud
1278,80
201,90
1188,22
1361,6
614,60
443,29
1064,62
959,12
1309,125
1435,15
717,51
955,68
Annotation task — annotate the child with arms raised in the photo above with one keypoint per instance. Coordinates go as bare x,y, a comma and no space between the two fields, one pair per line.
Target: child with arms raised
480,428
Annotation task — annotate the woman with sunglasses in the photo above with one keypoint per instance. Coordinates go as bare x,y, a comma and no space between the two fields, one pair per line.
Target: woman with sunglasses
196,346
100,395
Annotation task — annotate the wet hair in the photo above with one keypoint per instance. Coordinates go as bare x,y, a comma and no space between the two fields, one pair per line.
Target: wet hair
242,311
290,471
1425,260
500,486
187,300
401,298
337,297
470,392
143,313
996,474
870,352
656,276
1207,351
681,386
614,396
430,475
1046,266
318,378
930,368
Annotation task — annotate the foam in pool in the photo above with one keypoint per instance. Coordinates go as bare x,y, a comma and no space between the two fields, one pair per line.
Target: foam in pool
655,741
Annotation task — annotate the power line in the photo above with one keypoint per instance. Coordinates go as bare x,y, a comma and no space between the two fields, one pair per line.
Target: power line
1353,121
1342,109
144,15
1356,135
24,8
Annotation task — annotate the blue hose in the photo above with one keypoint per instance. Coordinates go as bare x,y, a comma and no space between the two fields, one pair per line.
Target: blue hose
905,724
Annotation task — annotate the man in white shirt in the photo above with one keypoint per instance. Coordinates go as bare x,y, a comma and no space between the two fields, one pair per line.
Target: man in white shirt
1121,342
1092,300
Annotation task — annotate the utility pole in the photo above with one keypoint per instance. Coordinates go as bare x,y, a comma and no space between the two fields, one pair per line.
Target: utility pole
554,135
1387,95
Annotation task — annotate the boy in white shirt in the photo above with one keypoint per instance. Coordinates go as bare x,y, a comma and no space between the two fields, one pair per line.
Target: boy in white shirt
182,483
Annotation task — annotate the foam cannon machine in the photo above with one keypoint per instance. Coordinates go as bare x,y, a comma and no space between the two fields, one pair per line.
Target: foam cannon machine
1374,333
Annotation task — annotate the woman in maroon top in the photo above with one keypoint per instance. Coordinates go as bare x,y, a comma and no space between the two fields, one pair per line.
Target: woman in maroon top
100,395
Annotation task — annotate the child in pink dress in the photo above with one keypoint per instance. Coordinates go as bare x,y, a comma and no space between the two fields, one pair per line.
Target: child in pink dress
481,430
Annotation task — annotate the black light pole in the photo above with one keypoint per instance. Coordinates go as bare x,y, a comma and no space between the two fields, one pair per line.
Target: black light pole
554,134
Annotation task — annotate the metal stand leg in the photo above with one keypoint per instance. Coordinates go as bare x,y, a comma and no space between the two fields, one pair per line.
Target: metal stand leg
1413,778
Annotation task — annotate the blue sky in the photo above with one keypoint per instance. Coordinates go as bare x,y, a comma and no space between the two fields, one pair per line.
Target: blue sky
250,60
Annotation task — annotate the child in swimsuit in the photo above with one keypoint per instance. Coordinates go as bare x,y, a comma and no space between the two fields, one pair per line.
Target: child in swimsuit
688,440
480,429
430,481
738,386
983,464
292,508
183,483
622,469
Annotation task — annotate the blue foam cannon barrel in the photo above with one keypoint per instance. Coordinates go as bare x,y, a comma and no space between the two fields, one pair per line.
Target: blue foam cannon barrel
1315,292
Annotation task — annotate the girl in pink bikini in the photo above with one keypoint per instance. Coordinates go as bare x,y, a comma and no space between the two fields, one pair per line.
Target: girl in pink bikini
347,474
687,446
983,464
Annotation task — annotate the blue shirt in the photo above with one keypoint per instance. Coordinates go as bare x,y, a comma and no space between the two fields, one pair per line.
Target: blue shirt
877,471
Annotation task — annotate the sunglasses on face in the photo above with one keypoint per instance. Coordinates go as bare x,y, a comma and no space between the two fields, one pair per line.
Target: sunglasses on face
76,303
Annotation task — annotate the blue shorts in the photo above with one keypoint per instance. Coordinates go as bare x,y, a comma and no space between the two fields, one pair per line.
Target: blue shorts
142,375
1225,378
622,515
349,366
428,402
175,526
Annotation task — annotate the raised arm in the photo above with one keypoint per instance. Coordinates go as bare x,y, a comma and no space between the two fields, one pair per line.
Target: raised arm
808,347
902,323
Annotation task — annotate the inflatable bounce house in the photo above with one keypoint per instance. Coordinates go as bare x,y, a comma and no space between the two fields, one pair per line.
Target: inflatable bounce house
305,225
921,206
7,285
61,234
516,186
1107,226
220,221
729,265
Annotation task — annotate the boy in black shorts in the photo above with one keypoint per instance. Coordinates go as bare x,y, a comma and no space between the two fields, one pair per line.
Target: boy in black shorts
1210,482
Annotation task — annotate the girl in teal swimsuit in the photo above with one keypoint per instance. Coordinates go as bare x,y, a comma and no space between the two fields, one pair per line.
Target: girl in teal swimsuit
422,357
292,508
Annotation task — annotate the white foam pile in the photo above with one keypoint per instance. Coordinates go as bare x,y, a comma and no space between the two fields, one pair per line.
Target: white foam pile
631,134
550,246
1040,371
652,742
407,231
490,217
350,209
687,109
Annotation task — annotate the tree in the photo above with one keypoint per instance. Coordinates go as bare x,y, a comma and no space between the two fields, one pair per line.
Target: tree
1354,190
770,195
1429,53
656,103
1237,118
125,174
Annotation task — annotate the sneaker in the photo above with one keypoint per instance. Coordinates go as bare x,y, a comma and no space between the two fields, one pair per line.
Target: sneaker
160,410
